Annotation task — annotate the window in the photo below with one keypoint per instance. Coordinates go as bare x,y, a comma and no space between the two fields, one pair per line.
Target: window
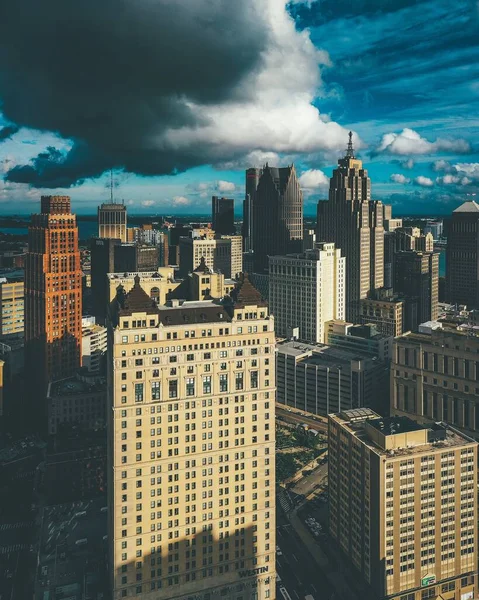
173,388
155,390
223,382
138,392
207,384
190,386
239,381
254,379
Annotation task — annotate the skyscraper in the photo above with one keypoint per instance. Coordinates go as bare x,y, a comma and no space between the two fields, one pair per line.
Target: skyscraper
307,290
53,300
223,215
416,279
403,505
251,184
191,460
112,221
462,256
277,215
355,224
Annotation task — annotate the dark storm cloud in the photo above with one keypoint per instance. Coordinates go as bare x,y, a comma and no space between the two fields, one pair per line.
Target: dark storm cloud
7,132
113,75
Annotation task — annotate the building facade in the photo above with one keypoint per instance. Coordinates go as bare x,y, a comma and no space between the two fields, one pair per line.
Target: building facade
53,294
112,221
94,344
277,215
223,216
12,309
403,505
191,461
307,290
355,224
322,379
251,184
435,377
364,338
383,310
216,252
416,279
462,256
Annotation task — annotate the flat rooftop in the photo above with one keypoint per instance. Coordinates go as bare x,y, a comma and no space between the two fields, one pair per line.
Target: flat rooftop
322,354
392,425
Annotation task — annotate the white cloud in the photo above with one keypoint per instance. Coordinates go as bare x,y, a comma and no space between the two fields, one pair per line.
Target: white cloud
423,181
470,170
407,164
147,202
279,116
225,186
410,142
181,201
314,179
399,178
442,166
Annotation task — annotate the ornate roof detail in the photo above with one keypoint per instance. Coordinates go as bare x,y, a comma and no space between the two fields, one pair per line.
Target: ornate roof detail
202,267
137,300
245,294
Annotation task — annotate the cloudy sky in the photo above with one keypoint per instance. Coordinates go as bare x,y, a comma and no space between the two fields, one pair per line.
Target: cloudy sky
178,98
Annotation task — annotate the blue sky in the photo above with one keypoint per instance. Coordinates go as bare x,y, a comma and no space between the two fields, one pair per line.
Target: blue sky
403,75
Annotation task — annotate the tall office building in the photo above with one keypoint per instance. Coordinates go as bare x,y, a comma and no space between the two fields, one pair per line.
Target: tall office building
251,184
435,376
216,252
277,215
462,256
385,310
12,304
223,215
416,278
112,221
355,224
403,505
191,461
53,300
307,290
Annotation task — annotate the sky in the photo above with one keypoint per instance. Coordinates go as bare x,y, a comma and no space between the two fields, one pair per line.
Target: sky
178,99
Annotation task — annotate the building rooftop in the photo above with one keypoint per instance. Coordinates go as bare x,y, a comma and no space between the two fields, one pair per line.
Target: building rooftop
467,207
392,425
322,354
76,386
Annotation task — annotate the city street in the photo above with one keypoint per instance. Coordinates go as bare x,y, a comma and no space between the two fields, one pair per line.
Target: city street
296,418
308,484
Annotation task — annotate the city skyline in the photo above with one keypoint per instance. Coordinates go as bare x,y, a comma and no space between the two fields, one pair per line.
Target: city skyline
411,111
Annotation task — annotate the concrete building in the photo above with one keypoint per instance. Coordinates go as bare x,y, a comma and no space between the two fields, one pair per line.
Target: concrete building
94,344
416,279
435,228
159,284
12,299
323,379
78,401
277,215
53,295
384,310
216,252
191,461
462,256
355,224
112,221
435,376
205,284
364,338
223,216
307,290
236,254
403,505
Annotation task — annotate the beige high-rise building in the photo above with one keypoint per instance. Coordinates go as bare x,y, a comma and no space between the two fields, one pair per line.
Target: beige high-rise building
191,461
383,311
403,505
435,376
236,254
354,223
112,221
216,252
12,300
157,284
307,290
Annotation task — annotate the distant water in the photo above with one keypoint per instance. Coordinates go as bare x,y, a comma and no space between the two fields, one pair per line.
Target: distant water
86,229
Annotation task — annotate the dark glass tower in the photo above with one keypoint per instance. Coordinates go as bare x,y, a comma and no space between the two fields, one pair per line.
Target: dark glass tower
223,215
277,224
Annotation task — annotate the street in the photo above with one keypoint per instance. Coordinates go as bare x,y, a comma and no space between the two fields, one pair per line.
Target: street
296,418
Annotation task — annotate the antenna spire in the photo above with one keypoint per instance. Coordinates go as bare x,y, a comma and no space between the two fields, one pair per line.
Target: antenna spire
350,148
111,186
